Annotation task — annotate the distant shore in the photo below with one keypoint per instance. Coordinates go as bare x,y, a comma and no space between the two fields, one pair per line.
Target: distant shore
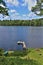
36,22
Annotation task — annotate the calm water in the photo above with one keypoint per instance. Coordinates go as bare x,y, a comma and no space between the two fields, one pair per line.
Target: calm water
9,35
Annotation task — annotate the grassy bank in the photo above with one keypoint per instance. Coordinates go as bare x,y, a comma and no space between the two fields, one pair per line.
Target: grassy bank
28,57
37,22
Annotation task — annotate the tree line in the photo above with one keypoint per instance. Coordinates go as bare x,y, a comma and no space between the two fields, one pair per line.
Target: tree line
34,22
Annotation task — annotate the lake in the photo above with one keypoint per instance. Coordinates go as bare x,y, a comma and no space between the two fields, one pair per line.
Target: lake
10,35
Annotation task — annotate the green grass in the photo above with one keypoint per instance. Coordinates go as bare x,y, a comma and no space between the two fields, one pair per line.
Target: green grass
37,55
27,57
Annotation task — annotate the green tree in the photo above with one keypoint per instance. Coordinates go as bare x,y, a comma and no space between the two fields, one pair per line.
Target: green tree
38,9
3,10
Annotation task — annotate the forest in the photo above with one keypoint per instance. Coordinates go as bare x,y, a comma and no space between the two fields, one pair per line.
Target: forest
36,22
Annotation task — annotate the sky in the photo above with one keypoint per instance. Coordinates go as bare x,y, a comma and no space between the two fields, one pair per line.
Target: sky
20,9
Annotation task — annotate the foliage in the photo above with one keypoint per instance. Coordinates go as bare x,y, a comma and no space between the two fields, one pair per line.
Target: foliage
37,22
38,7
1,51
1,1
3,10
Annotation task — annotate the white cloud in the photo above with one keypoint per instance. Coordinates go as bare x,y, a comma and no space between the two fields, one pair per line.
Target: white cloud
16,14
30,3
31,14
6,18
14,2
12,11
15,17
38,12
24,15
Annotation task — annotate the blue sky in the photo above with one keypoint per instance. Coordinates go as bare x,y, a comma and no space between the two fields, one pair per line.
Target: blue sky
20,9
